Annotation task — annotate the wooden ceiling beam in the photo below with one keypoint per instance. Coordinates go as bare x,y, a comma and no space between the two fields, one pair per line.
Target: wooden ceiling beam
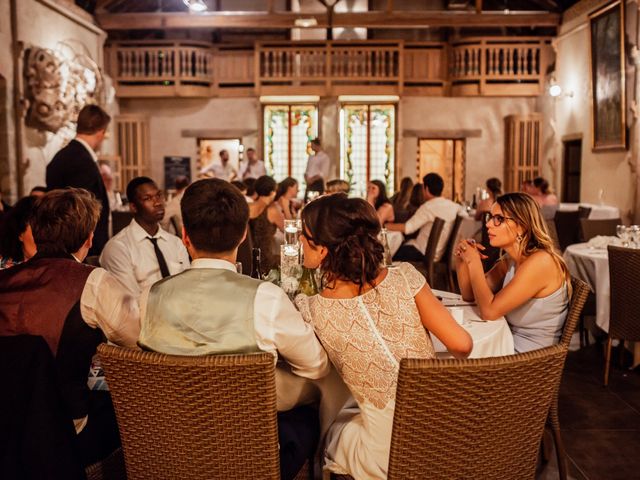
283,20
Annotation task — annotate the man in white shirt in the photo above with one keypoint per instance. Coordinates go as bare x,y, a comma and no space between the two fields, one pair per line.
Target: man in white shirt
222,311
143,253
252,167
317,171
72,306
172,221
222,169
435,206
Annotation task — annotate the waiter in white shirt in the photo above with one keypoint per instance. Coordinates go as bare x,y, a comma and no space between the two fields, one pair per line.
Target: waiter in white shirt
252,167
222,170
317,170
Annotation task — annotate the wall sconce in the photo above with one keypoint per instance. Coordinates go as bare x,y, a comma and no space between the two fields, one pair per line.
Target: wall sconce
555,90
196,6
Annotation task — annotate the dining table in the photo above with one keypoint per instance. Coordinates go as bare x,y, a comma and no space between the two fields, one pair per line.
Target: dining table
490,338
598,212
589,262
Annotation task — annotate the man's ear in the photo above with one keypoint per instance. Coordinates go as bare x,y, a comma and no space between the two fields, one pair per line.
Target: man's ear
89,241
185,238
132,207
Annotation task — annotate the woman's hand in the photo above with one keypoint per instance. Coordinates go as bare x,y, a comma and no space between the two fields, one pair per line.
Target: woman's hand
467,251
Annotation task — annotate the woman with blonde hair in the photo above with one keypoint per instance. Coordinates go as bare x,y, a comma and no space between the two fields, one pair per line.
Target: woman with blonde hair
529,285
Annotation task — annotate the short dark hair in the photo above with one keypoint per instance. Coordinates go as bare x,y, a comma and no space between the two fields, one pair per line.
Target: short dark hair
542,184
181,181
316,141
240,185
39,188
349,228
250,182
382,198
434,183
92,119
215,215
132,187
495,186
63,219
265,185
14,224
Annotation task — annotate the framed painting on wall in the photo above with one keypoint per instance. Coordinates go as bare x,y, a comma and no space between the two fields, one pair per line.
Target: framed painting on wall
607,77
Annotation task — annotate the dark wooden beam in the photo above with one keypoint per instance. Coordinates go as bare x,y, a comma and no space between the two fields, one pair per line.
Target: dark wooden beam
282,20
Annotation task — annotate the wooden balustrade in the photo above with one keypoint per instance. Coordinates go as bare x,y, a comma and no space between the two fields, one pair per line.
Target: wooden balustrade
484,66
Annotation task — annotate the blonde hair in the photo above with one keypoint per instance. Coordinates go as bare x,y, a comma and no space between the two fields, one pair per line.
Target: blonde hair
525,211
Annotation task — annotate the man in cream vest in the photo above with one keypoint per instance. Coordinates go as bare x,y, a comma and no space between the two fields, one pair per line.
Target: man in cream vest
211,309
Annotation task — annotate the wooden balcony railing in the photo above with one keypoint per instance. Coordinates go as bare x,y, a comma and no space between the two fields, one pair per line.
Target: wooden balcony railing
484,66
498,66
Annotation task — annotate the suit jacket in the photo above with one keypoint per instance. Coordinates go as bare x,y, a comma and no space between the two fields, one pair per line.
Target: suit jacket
73,166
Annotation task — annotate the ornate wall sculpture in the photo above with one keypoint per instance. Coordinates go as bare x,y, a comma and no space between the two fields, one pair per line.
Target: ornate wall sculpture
59,83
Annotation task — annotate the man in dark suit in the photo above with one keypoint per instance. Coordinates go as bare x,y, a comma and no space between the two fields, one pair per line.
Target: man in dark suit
76,166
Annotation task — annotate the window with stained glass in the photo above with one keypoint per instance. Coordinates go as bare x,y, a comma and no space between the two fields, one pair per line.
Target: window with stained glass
288,131
367,145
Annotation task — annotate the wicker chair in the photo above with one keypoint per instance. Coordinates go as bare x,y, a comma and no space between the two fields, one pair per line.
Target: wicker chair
194,417
427,267
593,228
580,292
624,320
567,228
445,266
479,418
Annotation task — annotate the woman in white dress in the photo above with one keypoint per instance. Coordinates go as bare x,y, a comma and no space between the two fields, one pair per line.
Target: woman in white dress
368,318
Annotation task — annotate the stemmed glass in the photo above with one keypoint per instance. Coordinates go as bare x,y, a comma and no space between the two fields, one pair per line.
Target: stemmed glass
623,234
634,236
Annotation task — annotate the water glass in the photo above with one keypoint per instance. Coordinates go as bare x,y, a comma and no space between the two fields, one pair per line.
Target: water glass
290,269
290,232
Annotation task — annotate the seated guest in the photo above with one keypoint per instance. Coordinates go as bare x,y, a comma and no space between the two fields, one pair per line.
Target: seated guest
221,169
435,206
400,200
286,195
222,311
494,189
16,242
265,222
240,185
250,194
143,252
416,199
252,167
368,318
542,194
38,191
377,198
338,186
73,307
172,221
528,285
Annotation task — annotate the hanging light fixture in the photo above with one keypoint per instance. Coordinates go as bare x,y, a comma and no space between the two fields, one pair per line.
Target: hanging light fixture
196,6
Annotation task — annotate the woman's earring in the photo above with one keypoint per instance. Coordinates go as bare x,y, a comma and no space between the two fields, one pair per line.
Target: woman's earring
519,237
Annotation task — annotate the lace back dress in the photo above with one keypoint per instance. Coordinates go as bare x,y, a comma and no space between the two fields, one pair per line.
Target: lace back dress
365,338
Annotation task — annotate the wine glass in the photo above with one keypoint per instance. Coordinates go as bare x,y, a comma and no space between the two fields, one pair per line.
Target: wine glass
634,236
623,234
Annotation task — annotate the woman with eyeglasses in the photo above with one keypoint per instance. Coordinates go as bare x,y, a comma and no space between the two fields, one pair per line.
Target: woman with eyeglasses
530,283
367,317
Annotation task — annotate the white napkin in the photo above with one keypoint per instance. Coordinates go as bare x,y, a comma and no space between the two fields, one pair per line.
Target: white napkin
602,241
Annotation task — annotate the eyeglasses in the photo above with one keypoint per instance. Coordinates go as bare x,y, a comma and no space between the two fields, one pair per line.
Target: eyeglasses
497,219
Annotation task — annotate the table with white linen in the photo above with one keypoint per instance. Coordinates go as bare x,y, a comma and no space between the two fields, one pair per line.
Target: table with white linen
394,239
490,338
598,212
591,265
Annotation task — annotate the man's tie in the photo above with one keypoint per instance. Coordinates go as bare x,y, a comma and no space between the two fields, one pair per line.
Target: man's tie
164,270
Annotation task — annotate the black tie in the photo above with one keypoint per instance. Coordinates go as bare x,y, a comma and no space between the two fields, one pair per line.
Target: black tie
164,270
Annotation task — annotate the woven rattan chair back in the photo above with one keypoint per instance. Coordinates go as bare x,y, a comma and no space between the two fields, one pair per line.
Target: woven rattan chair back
579,294
593,228
567,228
194,417
479,418
432,247
624,274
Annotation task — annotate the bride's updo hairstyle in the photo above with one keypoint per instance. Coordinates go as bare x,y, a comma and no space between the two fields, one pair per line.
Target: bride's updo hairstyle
348,228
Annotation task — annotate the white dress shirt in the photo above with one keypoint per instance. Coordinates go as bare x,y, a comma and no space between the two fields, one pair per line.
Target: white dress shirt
255,170
279,326
223,172
172,209
131,258
423,220
318,164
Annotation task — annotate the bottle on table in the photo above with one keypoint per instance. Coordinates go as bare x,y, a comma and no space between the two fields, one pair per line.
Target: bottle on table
256,269
385,245
308,284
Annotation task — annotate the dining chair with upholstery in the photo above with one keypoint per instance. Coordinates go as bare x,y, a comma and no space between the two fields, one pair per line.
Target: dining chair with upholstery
445,267
194,417
567,228
624,319
473,418
593,228
579,293
427,266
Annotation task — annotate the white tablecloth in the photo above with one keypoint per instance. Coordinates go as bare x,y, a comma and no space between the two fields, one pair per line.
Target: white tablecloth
395,240
490,339
598,212
591,265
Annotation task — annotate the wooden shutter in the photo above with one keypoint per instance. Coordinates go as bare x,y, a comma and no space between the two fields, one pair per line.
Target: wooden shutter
523,149
133,147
